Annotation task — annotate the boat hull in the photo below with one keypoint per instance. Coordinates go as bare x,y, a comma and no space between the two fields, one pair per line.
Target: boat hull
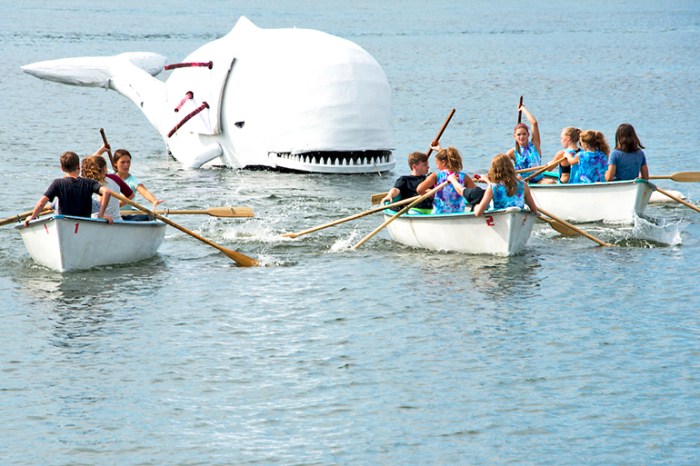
501,232
65,243
613,202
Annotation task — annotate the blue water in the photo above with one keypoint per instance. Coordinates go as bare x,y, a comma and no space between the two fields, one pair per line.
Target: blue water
566,354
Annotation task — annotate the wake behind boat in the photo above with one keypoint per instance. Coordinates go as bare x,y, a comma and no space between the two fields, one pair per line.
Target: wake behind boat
65,243
499,232
614,201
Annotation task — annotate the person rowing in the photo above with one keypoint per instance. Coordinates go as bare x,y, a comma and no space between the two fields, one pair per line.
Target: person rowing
590,165
505,188
122,162
569,142
73,192
405,186
95,168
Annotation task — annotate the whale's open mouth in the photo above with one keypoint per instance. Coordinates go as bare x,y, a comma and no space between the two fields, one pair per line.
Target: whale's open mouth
369,161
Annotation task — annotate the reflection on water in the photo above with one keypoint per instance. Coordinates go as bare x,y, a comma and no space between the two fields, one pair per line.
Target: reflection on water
80,305
494,277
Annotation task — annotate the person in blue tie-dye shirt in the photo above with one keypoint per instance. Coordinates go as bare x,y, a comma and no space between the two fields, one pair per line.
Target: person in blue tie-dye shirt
505,188
527,152
447,200
592,161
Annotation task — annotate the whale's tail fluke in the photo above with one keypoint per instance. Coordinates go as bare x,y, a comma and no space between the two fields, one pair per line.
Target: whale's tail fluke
93,71
131,74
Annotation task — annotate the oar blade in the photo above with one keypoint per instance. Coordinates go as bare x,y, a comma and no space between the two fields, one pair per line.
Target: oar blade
559,227
241,259
686,177
377,198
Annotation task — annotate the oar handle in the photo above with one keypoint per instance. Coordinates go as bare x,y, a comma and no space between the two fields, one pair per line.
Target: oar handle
541,170
19,218
401,212
442,130
526,170
520,119
520,112
109,151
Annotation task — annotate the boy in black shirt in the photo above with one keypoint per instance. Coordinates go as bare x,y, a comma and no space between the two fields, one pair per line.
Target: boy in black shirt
405,186
74,193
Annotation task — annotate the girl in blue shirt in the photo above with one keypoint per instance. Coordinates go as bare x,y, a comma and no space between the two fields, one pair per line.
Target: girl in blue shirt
505,188
627,160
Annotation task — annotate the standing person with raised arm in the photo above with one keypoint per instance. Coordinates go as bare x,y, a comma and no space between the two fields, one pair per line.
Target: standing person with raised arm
527,152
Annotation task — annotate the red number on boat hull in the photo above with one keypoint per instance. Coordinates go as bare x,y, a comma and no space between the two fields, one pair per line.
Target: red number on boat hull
489,220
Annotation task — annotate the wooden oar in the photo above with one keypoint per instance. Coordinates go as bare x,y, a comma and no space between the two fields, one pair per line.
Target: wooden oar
559,227
401,212
442,130
377,198
109,151
682,177
520,119
541,170
226,212
572,227
529,169
677,199
240,259
19,218
352,217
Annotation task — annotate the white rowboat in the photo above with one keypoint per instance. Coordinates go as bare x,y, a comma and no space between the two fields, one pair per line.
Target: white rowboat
614,202
499,232
66,243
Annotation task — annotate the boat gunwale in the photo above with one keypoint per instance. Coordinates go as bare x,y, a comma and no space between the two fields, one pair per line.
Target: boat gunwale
453,215
119,222
589,185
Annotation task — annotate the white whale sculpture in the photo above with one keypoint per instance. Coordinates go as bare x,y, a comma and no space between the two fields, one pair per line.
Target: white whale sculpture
295,99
